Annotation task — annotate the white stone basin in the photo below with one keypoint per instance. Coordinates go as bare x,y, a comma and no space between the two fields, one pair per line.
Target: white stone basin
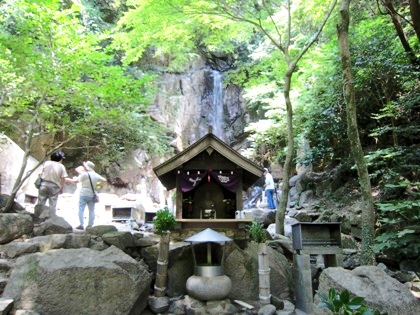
209,288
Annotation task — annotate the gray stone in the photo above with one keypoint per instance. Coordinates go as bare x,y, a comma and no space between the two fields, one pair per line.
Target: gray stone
16,249
5,265
144,241
122,240
13,226
5,305
42,212
379,290
305,197
158,304
100,230
293,180
242,268
180,268
278,303
410,265
108,282
194,307
303,216
177,307
264,216
26,312
3,282
268,309
56,225
288,306
44,243
404,276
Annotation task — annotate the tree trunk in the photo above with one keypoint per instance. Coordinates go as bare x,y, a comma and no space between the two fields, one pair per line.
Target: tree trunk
162,265
368,213
264,274
287,169
415,16
400,31
21,178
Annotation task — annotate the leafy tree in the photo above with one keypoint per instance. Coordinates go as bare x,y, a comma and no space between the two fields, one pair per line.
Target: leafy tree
368,213
207,22
59,80
319,111
397,20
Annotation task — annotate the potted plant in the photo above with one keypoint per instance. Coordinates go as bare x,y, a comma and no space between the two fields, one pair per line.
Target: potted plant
257,234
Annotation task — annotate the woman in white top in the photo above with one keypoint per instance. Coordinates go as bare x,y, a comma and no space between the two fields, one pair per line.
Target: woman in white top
88,179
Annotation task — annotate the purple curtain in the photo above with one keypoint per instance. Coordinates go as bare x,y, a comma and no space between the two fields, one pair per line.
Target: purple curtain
191,180
228,180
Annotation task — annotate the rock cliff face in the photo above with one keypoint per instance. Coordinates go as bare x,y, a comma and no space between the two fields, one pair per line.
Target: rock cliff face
190,102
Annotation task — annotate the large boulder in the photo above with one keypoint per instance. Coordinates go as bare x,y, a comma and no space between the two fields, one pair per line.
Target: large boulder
14,225
379,290
44,243
242,268
79,281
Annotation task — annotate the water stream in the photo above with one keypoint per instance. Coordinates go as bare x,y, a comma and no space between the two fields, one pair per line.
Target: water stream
216,108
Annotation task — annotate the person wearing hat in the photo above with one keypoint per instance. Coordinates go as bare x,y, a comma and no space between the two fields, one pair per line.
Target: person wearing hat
53,177
88,179
269,189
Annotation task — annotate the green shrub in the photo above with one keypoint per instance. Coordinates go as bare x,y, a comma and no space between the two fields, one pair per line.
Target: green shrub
257,232
343,304
164,221
400,224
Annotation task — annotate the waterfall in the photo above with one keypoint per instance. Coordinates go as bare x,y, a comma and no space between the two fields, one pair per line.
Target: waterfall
216,108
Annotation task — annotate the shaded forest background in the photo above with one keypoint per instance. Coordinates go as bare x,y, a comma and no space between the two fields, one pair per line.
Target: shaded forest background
88,70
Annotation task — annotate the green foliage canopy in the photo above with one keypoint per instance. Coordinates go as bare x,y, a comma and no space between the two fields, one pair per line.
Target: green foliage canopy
64,80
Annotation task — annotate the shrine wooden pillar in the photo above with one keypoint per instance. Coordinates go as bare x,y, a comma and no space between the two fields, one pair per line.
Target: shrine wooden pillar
178,197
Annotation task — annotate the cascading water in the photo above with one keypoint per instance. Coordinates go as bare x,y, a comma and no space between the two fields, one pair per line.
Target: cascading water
212,107
216,112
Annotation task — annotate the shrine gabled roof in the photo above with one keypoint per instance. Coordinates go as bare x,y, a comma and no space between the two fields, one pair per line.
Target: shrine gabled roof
167,171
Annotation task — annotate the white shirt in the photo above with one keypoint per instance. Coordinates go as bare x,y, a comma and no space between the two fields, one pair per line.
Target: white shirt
53,171
269,182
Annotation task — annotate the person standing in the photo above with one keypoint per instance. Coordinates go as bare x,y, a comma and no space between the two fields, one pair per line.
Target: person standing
53,176
269,189
88,179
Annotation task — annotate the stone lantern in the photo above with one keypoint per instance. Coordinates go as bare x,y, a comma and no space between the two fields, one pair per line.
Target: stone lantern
209,282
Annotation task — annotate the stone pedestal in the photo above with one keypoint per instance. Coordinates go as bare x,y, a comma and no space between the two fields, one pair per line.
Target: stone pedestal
303,277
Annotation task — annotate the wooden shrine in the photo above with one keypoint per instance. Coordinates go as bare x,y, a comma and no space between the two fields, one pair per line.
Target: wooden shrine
209,178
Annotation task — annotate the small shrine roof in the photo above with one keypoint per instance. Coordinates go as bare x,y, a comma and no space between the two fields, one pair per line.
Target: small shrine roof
167,171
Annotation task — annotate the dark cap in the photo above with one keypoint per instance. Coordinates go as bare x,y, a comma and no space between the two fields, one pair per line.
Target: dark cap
57,156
